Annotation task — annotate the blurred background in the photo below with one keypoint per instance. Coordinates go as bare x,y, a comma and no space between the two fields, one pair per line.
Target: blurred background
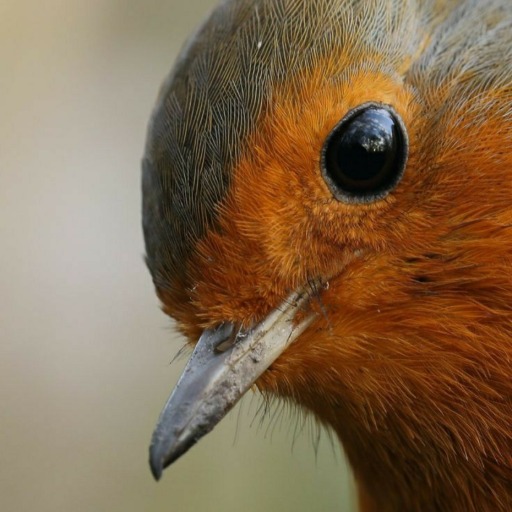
84,350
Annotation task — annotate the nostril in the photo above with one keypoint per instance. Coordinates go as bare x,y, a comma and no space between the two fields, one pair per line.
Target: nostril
225,344
223,337
233,334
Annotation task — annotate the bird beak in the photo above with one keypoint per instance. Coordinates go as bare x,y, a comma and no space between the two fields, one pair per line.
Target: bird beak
224,365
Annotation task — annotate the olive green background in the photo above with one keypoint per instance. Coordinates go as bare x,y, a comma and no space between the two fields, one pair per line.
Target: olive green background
84,348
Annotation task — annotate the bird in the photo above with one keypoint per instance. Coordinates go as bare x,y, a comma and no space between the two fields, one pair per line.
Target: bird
327,214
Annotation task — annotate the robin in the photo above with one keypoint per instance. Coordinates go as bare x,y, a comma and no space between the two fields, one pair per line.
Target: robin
327,210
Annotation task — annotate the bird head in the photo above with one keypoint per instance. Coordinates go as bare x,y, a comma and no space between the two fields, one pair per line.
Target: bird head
326,202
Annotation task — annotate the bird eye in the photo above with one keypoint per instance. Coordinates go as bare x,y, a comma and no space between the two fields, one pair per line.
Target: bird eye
364,156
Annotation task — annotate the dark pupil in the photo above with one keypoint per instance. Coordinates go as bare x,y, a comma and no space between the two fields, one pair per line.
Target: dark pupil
364,150
362,154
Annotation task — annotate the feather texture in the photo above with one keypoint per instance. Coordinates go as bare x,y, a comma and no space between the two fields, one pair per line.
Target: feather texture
410,359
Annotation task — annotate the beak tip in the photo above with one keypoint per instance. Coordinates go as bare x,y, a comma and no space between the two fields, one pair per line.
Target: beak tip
156,466
162,455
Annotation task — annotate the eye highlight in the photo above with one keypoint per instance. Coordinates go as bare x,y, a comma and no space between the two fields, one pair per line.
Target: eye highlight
364,156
